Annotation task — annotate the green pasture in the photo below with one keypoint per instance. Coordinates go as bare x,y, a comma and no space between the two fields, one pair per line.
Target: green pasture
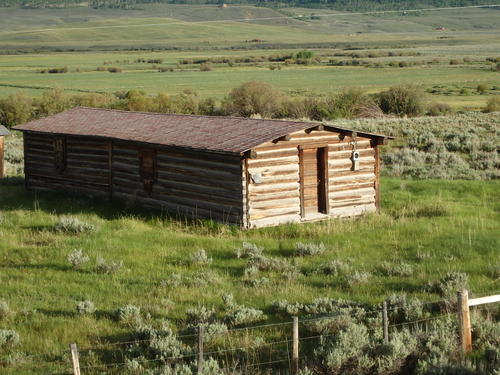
455,228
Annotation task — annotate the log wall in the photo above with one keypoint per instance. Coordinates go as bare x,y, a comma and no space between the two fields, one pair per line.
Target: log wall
188,183
86,171
273,189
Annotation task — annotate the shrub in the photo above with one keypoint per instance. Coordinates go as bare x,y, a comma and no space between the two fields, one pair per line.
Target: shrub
249,250
253,98
482,88
334,267
85,307
263,263
454,62
4,309
347,103
114,69
244,315
403,100
397,269
200,315
306,249
492,105
355,278
206,67
8,338
448,286
200,257
77,258
107,266
129,315
57,70
439,109
71,224
15,109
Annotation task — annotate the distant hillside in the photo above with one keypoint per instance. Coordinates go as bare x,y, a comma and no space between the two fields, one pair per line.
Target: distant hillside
346,5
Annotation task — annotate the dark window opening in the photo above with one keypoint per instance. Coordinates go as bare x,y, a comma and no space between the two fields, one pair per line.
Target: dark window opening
148,169
60,154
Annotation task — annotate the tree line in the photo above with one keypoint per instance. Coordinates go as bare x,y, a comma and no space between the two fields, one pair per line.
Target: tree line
252,99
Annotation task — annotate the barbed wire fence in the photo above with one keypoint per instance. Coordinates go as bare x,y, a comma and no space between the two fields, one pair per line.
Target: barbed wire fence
244,348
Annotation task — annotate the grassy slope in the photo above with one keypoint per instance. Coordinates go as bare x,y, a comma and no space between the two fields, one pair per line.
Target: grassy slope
36,278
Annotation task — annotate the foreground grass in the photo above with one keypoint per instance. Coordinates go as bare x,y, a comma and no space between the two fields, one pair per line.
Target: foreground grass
434,226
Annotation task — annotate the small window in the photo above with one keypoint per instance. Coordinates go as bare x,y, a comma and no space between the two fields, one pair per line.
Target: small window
60,154
147,161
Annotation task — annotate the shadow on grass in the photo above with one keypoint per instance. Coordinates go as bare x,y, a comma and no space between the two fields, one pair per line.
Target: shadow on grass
54,267
58,313
14,196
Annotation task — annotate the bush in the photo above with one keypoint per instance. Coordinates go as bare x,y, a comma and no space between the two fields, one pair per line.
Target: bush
347,104
357,277
249,250
403,100
482,88
200,258
253,98
307,249
335,267
397,269
439,109
15,109
8,338
107,266
77,258
448,286
243,315
114,69
200,315
85,307
4,309
57,70
71,224
129,315
492,105
206,67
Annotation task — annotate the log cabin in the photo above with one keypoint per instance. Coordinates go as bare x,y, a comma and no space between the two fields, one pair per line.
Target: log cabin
3,132
247,172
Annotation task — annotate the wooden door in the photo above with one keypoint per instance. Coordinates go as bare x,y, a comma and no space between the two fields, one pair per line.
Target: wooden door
314,180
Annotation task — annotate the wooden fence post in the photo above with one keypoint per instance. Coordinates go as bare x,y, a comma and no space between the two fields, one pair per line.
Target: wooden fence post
295,346
464,328
200,349
75,359
385,321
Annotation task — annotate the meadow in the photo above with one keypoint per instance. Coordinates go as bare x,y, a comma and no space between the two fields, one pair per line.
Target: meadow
428,230
397,49
124,282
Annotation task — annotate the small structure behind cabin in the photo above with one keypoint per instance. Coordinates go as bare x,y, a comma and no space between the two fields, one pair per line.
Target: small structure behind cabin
3,132
248,172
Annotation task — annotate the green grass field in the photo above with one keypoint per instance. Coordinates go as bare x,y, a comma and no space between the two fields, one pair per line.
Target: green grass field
42,288
470,34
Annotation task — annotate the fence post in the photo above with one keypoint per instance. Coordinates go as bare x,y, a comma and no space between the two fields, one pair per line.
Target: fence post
385,321
295,346
200,349
75,359
464,328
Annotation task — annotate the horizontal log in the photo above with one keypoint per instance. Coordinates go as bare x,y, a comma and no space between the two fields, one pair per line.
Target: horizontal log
280,195
350,187
227,184
256,214
352,211
274,220
256,188
208,165
275,203
198,171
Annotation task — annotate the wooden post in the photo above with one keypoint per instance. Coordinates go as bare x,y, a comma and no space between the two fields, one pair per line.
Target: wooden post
75,359
385,320
200,349
295,345
464,328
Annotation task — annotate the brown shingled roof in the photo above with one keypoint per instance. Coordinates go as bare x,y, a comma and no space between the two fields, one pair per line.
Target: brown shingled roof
220,134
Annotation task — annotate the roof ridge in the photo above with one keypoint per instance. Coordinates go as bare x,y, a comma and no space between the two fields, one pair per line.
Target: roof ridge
191,115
